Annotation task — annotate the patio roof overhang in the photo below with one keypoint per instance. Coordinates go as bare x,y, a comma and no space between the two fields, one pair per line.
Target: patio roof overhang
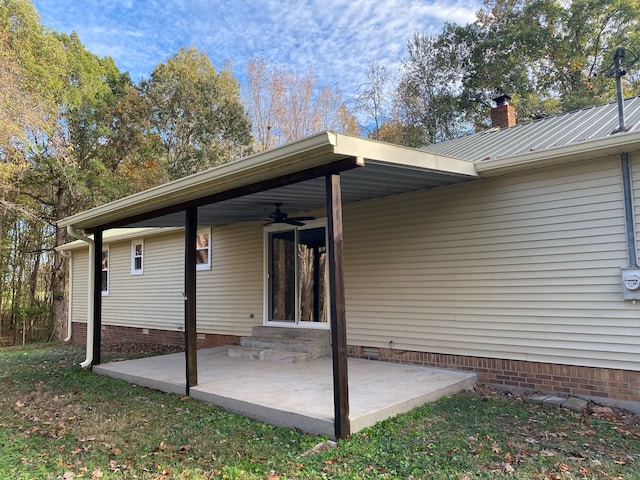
246,189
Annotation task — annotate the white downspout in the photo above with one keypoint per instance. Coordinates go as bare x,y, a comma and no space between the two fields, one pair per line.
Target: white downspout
90,320
70,302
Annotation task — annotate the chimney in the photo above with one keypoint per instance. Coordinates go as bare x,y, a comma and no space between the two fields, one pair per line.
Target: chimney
503,114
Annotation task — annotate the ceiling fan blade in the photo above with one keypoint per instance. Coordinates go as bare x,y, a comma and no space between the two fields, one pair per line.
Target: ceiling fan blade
279,216
292,221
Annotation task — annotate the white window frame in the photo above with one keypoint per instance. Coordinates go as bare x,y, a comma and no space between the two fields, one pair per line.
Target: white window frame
203,266
105,248
135,256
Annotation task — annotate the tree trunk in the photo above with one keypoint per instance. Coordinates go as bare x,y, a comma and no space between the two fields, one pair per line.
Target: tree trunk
59,287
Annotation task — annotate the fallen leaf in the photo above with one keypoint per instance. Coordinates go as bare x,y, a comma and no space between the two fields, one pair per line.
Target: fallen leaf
546,453
184,448
97,474
160,447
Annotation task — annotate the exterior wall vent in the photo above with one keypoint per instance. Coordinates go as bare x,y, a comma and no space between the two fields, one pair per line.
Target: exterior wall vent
370,352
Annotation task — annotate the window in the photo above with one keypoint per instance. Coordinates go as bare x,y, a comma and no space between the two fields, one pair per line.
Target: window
137,257
105,272
203,250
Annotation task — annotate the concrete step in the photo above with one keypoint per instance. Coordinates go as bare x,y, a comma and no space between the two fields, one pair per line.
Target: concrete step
284,344
244,352
271,355
312,348
283,332
285,357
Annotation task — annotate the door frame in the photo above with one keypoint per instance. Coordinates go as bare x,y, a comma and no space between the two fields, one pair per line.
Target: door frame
266,256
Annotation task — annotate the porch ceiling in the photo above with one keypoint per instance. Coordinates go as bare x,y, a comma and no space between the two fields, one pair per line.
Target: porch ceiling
248,188
375,179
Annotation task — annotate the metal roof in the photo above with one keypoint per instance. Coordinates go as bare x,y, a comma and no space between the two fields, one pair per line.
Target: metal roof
561,130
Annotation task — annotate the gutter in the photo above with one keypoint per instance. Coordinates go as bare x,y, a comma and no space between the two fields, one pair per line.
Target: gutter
70,300
625,166
582,151
90,320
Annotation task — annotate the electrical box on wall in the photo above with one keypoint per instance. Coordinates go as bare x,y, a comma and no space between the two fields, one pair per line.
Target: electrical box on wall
631,283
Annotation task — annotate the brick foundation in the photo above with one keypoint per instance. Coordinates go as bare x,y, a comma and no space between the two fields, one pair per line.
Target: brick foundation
606,385
114,334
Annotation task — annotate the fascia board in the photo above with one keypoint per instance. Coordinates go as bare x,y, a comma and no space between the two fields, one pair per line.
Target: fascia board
590,150
402,156
119,235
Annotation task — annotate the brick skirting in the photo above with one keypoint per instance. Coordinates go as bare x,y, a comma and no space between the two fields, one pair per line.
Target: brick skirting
606,385
112,334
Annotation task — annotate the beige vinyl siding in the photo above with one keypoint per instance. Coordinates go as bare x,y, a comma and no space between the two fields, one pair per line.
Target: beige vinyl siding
523,267
229,294
153,299
80,272
634,161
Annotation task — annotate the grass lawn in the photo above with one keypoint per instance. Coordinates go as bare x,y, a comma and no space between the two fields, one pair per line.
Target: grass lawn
58,421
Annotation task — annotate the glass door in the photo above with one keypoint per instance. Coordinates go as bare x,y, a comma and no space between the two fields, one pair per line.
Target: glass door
282,276
297,275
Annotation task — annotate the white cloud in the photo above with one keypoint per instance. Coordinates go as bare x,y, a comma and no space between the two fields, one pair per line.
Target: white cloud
337,38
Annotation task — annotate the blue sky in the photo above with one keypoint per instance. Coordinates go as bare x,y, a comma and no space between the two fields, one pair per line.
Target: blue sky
338,39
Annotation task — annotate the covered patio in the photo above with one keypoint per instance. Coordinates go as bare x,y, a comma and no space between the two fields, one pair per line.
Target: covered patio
317,173
295,395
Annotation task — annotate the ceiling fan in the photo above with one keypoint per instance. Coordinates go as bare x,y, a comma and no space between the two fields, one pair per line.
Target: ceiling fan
278,216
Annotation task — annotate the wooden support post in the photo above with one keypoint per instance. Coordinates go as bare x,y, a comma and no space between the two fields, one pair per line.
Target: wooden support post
190,335
337,308
97,296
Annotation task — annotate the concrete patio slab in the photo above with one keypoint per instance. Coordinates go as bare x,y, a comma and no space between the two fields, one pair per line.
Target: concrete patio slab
298,395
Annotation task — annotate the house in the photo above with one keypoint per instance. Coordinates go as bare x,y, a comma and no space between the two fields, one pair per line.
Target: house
511,252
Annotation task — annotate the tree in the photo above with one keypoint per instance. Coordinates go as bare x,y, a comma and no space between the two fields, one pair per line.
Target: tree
548,55
27,109
427,99
31,79
373,99
286,105
197,113
73,133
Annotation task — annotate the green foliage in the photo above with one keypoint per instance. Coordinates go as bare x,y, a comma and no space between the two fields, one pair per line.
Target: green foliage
197,113
428,95
57,419
549,56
